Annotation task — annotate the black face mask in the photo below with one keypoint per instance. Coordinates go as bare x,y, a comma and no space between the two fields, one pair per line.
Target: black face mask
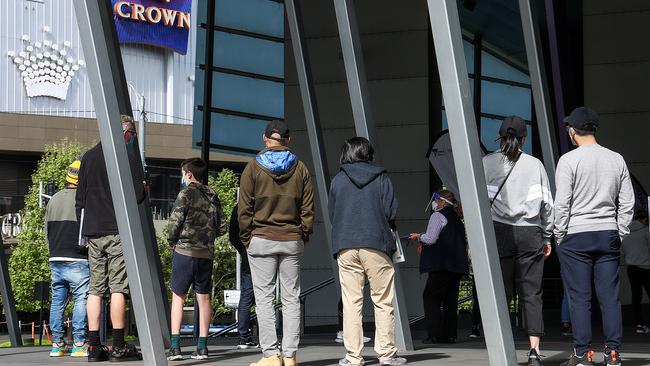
572,136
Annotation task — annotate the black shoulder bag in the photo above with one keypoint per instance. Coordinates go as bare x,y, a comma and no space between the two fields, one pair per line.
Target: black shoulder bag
504,181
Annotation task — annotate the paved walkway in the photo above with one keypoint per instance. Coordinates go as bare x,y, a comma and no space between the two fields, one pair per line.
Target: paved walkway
321,351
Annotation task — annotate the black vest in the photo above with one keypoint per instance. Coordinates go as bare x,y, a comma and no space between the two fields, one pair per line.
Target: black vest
449,253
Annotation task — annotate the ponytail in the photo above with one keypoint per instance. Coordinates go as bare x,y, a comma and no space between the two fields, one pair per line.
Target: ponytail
511,145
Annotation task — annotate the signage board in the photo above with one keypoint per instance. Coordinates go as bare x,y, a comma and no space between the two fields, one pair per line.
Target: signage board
159,23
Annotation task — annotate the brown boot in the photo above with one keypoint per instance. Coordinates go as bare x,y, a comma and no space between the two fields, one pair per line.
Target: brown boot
290,361
274,360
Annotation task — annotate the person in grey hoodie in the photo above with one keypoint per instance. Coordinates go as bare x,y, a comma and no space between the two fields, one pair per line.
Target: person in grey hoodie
594,203
363,209
522,211
636,252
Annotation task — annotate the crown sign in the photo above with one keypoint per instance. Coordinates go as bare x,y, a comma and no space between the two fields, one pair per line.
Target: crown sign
46,68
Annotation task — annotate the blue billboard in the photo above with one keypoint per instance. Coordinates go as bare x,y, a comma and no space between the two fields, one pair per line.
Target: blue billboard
159,23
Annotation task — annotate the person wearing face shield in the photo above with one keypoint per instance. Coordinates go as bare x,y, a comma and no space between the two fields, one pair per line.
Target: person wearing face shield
522,212
443,255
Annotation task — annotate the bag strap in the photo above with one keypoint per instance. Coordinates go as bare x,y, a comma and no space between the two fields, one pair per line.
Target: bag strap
504,180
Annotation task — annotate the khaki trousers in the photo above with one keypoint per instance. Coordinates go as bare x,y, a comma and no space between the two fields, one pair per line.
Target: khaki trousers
354,266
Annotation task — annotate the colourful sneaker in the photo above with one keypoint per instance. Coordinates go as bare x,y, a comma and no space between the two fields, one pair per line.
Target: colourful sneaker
613,358
585,360
79,351
57,351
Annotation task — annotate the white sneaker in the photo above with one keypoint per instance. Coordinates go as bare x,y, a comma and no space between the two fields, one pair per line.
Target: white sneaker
339,338
393,361
642,329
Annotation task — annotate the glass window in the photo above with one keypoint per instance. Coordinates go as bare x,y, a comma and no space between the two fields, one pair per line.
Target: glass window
492,66
258,16
249,54
505,100
232,131
469,56
249,95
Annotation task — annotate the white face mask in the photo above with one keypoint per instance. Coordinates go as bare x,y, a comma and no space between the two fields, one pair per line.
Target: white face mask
184,182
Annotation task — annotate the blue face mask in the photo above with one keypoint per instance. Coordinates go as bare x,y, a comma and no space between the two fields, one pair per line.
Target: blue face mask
183,182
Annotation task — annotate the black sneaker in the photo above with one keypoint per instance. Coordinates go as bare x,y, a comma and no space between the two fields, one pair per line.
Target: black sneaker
200,354
612,359
534,358
566,329
476,333
246,343
586,360
128,352
98,353
174,354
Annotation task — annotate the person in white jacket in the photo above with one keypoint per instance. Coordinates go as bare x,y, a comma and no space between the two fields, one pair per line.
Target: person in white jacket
522,211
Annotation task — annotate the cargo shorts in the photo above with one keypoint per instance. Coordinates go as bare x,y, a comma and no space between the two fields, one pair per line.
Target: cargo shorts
107,267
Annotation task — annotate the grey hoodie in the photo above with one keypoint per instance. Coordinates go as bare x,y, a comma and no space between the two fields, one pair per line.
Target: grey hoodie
636,247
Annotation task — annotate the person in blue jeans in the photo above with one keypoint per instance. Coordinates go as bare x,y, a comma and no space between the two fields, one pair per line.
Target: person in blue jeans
69,267
594,205
246,297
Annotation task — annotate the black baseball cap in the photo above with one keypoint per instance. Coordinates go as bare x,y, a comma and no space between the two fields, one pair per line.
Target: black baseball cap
513,125
279,127
583,118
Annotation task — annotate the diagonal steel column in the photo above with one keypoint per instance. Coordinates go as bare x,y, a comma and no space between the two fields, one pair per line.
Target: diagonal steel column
539,86
355,69
447,38
365,126
314,130
8,302
109,91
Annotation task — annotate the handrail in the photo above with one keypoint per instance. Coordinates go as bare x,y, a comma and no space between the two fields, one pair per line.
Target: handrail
309,291
303,295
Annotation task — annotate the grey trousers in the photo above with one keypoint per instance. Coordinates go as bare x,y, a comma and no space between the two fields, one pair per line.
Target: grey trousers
267,258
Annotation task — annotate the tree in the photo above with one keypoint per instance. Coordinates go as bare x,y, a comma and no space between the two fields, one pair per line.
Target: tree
29,260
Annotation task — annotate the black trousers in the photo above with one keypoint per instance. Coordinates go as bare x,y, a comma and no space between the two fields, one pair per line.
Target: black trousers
521,254
476,310
639,279
440,298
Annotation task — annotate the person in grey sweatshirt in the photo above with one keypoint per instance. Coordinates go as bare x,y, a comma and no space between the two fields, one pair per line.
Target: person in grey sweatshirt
522,211
636,253
594,203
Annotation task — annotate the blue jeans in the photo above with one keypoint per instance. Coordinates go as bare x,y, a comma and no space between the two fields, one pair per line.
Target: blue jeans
69,277
586,257
246,301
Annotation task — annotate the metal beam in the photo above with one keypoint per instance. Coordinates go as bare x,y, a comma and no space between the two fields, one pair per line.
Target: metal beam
207,81
556,74
8,302
364,126
447,37
109,91
540,90
314,131
355,69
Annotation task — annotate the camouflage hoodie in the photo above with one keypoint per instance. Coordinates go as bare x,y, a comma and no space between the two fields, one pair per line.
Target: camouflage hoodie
195,222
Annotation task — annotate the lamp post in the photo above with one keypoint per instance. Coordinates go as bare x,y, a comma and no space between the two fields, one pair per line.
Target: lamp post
142,122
